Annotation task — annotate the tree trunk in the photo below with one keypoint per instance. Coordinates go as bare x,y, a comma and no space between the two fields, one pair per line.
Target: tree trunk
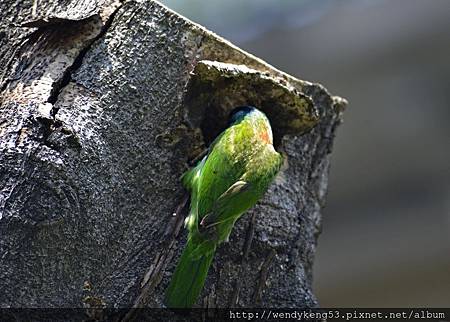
103,105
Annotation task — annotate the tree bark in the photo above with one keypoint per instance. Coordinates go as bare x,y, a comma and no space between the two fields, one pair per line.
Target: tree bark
103,106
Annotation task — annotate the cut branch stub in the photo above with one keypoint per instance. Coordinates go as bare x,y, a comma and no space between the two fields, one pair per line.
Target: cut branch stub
215,88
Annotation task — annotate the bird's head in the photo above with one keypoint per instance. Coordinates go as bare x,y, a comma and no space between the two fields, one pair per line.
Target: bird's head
258,119
239,113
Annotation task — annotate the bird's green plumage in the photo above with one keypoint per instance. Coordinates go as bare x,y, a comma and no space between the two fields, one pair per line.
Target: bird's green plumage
230,179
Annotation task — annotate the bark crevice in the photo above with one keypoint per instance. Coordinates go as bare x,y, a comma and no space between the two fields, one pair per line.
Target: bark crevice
66,78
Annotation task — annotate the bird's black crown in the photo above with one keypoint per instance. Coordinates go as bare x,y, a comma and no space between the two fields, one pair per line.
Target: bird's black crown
240,112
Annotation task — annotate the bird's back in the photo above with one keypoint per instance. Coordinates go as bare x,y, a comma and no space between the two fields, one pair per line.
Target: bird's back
239,154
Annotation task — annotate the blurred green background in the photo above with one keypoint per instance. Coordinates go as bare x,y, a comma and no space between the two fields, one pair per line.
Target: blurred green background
385,239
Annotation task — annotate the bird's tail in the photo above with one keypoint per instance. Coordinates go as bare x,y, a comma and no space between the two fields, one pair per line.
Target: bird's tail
189,276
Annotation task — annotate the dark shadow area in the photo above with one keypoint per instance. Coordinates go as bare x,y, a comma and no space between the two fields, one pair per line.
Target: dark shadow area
213,92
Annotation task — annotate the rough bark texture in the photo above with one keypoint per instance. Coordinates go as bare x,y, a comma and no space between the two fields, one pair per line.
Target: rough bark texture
100,115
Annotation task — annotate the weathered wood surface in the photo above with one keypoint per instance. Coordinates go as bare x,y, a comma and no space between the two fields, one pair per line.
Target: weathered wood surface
100,116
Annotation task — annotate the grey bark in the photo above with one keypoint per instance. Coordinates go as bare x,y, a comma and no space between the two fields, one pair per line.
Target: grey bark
103,105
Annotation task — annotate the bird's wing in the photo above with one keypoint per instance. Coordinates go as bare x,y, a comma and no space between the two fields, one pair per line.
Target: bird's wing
218,173
241,193
190,177
235,200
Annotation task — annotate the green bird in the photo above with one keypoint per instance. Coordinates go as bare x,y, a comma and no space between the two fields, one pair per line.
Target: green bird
239,167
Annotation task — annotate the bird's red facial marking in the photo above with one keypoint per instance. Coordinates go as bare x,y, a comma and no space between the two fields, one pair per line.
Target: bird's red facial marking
265,137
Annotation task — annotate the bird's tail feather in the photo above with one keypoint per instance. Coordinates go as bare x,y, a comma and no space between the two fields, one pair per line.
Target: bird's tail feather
188,278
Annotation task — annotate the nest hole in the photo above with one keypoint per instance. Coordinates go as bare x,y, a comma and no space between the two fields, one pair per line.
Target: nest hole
213,92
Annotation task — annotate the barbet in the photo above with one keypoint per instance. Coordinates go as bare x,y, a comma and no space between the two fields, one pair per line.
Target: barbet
239,167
